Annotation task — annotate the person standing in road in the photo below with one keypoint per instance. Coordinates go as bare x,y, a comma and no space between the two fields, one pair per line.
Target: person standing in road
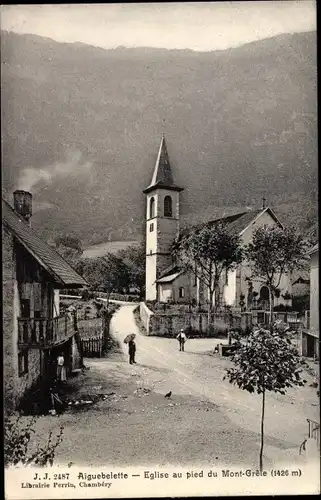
132,351
181,337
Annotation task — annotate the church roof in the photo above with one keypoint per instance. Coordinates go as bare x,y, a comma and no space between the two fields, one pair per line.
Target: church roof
62,273
236,223
162,176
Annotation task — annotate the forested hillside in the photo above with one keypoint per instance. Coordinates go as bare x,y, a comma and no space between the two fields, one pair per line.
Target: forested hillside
81,127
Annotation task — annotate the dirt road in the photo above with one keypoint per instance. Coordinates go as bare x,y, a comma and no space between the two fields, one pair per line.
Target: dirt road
206,420
199,373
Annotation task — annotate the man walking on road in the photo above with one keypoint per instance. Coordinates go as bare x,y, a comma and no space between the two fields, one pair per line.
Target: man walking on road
181,337
132,351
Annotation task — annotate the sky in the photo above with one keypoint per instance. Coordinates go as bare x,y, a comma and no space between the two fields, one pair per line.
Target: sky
197,26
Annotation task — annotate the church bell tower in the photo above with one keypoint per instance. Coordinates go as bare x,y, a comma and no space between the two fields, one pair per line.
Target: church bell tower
162,220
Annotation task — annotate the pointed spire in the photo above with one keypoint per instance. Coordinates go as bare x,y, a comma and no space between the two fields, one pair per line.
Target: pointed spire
162,176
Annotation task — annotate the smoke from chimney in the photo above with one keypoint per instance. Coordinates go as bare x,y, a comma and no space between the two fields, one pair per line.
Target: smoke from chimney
22,201
74,165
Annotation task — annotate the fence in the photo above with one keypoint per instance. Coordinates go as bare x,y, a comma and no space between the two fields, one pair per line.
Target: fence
314,431
91,327
93,347
94,333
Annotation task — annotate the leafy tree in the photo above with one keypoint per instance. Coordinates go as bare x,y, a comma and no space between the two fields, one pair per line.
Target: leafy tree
117,277
208,252
107,273
274,252
69,247
265,362
69,241
93,270
17,438
134,258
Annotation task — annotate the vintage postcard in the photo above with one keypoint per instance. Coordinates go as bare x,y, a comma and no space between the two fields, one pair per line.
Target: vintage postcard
160,249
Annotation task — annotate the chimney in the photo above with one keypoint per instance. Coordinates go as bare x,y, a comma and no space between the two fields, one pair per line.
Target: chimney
23,203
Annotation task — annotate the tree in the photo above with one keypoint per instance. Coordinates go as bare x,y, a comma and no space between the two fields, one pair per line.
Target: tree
69,241
208,252
107,273
17,438
134,258
265,362
69,247
117,276
93,270
274,252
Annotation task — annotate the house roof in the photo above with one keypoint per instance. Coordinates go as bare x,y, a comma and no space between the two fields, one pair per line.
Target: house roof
47,257
170,278
162,176
172,269
301,281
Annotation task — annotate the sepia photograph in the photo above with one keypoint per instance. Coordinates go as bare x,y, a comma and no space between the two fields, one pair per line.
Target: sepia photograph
160,255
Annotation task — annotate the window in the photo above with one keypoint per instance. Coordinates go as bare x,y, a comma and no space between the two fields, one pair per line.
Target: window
151,228
168,209
151,252
152,208
25,308
226,277
181,292
23,362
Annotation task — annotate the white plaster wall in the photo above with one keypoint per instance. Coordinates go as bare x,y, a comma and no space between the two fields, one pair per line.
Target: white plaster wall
314,292
230,289
159,195
165,292
160,240
150,277
245,271
56,303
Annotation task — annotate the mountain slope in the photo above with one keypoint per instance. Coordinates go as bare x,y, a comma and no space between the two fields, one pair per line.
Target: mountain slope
82,126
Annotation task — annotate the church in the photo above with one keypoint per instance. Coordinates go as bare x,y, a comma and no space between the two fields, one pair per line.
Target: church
165,282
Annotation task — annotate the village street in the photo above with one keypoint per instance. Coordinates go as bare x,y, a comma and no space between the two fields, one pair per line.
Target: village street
137,425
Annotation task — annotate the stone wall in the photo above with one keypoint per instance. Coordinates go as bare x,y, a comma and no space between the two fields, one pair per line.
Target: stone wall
14,385
28,380
169,325
314,292
76,359
145,316
8,273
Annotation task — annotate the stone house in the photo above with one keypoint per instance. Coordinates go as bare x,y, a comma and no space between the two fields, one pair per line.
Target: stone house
34,331
166,282
301,283
310,335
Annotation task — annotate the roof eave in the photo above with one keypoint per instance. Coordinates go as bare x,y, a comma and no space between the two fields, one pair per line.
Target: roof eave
161,186
55,277
73,285
267,209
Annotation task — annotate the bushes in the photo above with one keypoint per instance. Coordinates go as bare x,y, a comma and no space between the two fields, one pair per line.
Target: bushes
125,297
17,439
